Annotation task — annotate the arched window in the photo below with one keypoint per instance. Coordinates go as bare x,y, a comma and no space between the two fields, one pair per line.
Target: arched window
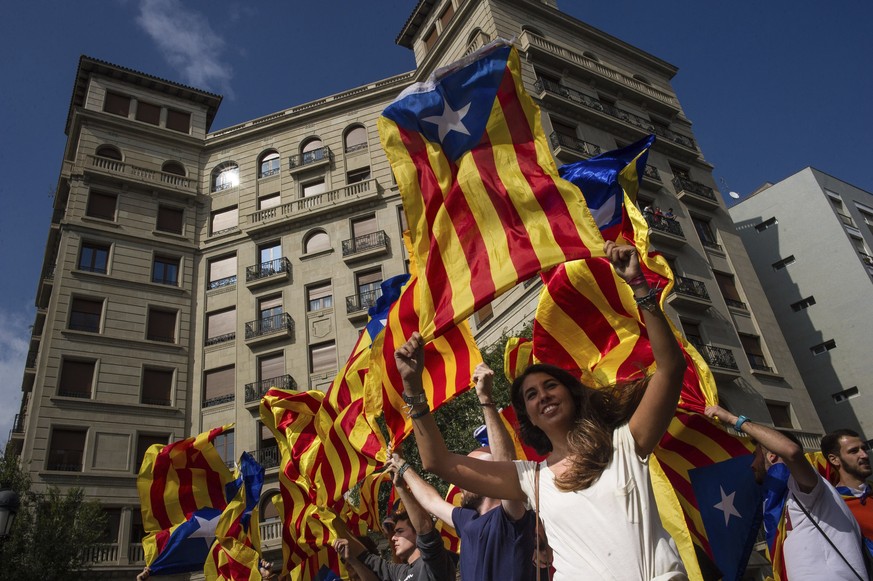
110,152
356,139
173,167
224,176
269,512
269,163
316,241
313,150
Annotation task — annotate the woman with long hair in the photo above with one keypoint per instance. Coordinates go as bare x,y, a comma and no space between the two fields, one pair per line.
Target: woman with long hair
593,491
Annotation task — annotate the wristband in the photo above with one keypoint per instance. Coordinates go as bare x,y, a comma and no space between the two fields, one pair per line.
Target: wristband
419,414
649,301
399,475
740,421
487,404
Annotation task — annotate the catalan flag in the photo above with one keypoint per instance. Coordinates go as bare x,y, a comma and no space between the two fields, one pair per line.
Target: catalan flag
451,540
483,199
517,356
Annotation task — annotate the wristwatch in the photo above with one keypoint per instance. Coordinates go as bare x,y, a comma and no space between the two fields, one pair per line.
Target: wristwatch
415,399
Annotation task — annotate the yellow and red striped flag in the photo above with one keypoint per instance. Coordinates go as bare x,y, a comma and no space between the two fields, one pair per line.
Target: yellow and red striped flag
451,540
482,195
517,356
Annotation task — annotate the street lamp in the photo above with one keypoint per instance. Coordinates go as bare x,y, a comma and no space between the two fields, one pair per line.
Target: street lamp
9,503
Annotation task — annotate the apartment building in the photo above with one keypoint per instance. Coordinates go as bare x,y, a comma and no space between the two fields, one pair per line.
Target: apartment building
809,237
188,268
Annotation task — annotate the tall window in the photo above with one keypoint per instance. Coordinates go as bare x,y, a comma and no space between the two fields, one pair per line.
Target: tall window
222,271
780,413
270,251
357,176
225,176
165,270
161,326
101,205
117,104
754,353
313,151
77,378
224,220
66,449
178,121
319,296
173,167
143,443
270,311
221,326
218,386
94,257
316,241
269,164
148,113
224,445
369,286
322,357
269,201
356,139
85,315
692,332
314,188
157,386
170,219
729,290
109,151
363,226
271,366
704,231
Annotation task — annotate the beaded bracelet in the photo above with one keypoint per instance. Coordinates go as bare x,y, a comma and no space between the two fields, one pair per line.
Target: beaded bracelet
649,301
416,415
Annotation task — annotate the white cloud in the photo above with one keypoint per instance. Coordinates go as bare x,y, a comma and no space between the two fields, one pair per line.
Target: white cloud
188,42
14,338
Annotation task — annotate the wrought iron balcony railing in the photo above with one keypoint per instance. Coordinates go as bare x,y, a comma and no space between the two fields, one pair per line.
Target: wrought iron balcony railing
682,184
18,423
269,325
155,401
664,224
267,457
309,157
691,287
736,304
257,389
221,282
362,301
372,241
266,269
220,339
560,140
213,401
652,173
65,466
30,363
716,356
758,362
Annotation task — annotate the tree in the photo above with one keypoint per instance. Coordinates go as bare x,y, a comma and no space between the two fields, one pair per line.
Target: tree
53,532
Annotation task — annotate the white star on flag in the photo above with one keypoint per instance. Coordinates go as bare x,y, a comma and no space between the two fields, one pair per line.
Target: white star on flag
727,506
450,120
207,527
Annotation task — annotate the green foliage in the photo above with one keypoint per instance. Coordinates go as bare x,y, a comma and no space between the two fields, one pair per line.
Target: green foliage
52,533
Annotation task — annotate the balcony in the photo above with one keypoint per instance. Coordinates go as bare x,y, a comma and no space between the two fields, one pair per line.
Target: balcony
273,328
758,363
65,466
721,361
119,169
46,284
572,149
105,553
18,424
305,209
695,194
221,282
665,231
221,399
268,457
268,272
690,294
309,160
135,553
271,533
652,174
218,339
736,304
366,246
357,305
256,390
866,258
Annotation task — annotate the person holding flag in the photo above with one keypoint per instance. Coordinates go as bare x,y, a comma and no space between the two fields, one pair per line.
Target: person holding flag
593,492
849,456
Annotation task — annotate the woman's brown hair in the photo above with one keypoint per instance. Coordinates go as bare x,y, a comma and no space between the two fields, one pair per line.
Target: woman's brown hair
598,413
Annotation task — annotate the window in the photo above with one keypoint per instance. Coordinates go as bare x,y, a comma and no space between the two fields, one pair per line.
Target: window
109,534
143,443
867,214
85,315
766,224
356,139
170,219
174,167
430,38
704,232
313,151
314,188
316,242
221,326
363,226
117,104
225,176
270,313
271,366
564,129
77,378
178,121
680,172
483,315
845,395
357,176
161,326
148,113
692,332
319,297
269,164
823,347
224,220
224,445
94,257
780,264
803,304
222,271
157,386
270,252
729,290
590,55
780,413
101,205
322,357
66,449
446,16
269,201
754,353
109,152
401,217
165,270
369,285
218,386
642,79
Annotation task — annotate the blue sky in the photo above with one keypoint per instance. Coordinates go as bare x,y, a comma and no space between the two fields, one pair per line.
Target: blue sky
771,88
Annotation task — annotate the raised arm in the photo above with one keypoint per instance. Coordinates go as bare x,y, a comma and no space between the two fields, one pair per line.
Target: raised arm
492,479
424,493
658,404
418,516
804,474
502,448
